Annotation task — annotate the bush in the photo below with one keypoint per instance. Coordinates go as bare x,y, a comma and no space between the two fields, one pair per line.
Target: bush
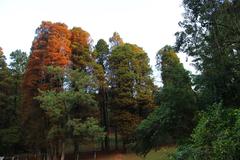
9,140
216,136
154,131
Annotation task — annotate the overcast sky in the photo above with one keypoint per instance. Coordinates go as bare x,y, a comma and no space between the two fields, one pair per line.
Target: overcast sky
150,24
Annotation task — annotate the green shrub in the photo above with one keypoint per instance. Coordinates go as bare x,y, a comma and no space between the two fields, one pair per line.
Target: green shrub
154,131
216,136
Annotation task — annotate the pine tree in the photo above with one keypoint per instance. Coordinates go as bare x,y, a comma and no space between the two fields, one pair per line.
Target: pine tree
59,108
102,54
176,92
173,119
80,45
211,36
83,60
17,67
9,126
131,88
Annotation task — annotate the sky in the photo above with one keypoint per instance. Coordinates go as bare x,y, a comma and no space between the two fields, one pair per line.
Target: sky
150,24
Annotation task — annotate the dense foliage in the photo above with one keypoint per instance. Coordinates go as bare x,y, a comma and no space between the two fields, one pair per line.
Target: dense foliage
59,109
215,137
131,88
71,92
173,119
211,35
51,47
10,133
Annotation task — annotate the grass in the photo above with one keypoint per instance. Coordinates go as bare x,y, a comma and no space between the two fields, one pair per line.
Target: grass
161,154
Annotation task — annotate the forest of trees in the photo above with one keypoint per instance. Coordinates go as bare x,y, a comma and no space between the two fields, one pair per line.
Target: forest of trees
69,92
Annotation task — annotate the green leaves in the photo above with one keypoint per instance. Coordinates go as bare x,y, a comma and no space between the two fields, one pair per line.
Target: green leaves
60,107
53,103
130,75
215,137
9,129
88,130
154,131
176,92
9,138
131,87
19,62
211,35
210,32
172,121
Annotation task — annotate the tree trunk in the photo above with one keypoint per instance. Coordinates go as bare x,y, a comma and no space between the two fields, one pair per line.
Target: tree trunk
104,116
95,152
77,156
116,139
124,146
95,155
55,153
63,151
76,150
106,141
106,119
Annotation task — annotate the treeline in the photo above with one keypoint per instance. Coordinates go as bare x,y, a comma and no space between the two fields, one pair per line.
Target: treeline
204,122
70,91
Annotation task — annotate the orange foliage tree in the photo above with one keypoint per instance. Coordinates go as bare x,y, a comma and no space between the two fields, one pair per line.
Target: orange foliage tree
80,45
51,47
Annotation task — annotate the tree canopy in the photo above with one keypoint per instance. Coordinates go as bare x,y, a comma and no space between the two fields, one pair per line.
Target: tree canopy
71,92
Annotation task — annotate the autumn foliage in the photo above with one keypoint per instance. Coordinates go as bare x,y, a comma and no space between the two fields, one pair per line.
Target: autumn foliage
51,47
120,75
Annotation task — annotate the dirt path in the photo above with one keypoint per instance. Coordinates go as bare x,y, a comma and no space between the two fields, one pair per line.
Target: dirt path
118,156
111,156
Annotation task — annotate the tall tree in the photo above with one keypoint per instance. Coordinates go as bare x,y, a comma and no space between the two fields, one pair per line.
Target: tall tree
51,47
83,59
18,66
102,54
176,92
9,126
211,35
131,88
173,119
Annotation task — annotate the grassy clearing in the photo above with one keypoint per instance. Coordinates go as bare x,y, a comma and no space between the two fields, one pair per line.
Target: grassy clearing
161,154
